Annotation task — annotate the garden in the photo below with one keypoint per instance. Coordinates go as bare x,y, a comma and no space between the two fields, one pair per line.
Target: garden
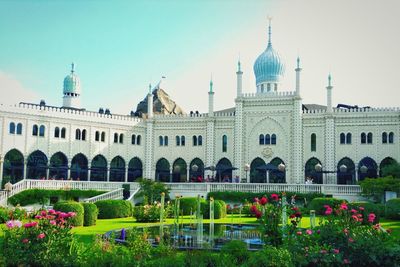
224,229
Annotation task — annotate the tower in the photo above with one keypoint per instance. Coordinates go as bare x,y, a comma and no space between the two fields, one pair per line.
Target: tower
329,95
298,70
72,90
239,74
211,100
150,103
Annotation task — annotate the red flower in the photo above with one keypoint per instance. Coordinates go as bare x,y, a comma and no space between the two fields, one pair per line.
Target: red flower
336,251
263,201
343,206
297,214
25,240
41,236
274,197
291,216
361,208
371,217
253,209
258,214
256,199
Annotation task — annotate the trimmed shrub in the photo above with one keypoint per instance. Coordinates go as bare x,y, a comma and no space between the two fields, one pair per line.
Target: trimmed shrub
393,209
90,214
238,249
369,208
109,209
270,256
149,213
219,209
71,206
318,204
189,204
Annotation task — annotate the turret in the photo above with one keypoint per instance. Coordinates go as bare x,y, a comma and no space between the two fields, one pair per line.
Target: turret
72,90
150,103
329,95
298,70
239,74
211,100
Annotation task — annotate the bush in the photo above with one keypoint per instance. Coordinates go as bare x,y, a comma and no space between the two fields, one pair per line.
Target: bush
4,215
90,214
109,209
219,209
317,204
199,258
149,213
369,207
376,187
71,206
393,209
238,249
189,205
270,256
151,191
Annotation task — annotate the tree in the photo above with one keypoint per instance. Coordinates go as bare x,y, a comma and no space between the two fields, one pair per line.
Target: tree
151,190
391,170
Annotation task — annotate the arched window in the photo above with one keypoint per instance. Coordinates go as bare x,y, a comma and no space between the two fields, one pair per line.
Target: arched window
35,130
97,136
166,140
273,139
268,87
384,138
348,138
276,87
194,140
182,140
391,138
77,134
178,141
224,143
19,128
363,138
138,140
121,138
161,140
115,137
200,140
342,138
267,139
103,136
314,142
57,132
12,128
261,139
84,135
133,141
63,131
369,138
41,130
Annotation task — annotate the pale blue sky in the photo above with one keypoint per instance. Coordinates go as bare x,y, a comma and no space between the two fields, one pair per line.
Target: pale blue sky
120,46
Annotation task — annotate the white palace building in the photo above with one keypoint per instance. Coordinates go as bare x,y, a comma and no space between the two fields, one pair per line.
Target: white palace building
269,137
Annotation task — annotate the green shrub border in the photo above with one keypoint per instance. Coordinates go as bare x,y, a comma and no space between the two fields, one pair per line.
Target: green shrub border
110,209
90,214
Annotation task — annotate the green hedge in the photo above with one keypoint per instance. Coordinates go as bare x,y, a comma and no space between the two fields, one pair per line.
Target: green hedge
372,187
90,214
393,209
318,203
32,196
67,206
243,197
109,209
377,209
189,204
219,209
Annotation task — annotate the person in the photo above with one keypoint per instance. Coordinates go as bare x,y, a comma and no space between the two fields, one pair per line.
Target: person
237,180
293,200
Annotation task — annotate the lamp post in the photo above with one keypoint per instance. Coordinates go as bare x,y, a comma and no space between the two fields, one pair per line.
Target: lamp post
8,187
247,169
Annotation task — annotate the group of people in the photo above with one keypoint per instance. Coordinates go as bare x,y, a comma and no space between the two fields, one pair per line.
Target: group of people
212,179
309,180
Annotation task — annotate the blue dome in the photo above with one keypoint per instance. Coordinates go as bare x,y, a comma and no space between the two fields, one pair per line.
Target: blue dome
72,83
268,66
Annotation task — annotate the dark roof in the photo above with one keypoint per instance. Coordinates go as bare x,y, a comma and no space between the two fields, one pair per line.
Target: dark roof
313,107
227,110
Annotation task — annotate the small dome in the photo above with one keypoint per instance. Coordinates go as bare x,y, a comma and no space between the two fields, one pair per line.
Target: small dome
268,66
72,84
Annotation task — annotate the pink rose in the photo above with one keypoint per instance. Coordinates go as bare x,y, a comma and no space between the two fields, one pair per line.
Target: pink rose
351,240
263,201
353,211
328,211
53,222
52,212
299,233
309,232
371,217
38,217
43,213
336,251
25,240
361,208
346,261
258,214
343,206
275,197
71,214
41,236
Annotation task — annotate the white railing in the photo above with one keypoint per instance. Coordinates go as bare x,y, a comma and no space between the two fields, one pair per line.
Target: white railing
348,190
188,187
80,185
3,198
115,194
131,198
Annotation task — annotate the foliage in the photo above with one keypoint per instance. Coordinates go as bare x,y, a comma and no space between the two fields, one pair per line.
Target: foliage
32,196
5,180
109,209
149,213
206,259
151,191
318,204
393,209
45,242
270,257
188,205
90,214
220,210
72,206
16,213
127,190
368,207
245,197
238,249
391,170
376,187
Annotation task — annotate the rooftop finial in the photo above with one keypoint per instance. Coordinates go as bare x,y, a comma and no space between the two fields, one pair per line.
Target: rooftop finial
72,67
211,84
298,62
269,31
239,64
329,80
149,88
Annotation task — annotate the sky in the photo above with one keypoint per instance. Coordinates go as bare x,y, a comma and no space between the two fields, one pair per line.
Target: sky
119,47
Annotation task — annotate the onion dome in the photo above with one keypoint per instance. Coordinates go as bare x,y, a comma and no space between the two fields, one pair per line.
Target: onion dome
72,83
268,66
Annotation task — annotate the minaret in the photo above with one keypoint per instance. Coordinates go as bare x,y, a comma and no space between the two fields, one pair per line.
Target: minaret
239,74
150,103
71,90
211,100
298,70
329,95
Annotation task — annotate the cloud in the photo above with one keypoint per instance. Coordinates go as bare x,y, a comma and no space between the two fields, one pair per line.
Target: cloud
12,91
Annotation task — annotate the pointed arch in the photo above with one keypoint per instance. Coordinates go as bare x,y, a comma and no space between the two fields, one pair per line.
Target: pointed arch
224,170
277,176
103,136
386,162
257,176
162,170
348,138
36,165
346,171
98,169
200,140
179,170
342,138
58,168
309,171
371,168
13,165
117,169
199,172
121,138
135,169
79,167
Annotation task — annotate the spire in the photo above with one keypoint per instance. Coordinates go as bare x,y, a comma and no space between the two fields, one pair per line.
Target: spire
329,80
269,32
298,62
211,84
72,67
149,88
239,66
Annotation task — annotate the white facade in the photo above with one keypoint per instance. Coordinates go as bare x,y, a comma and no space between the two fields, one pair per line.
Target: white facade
277,113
